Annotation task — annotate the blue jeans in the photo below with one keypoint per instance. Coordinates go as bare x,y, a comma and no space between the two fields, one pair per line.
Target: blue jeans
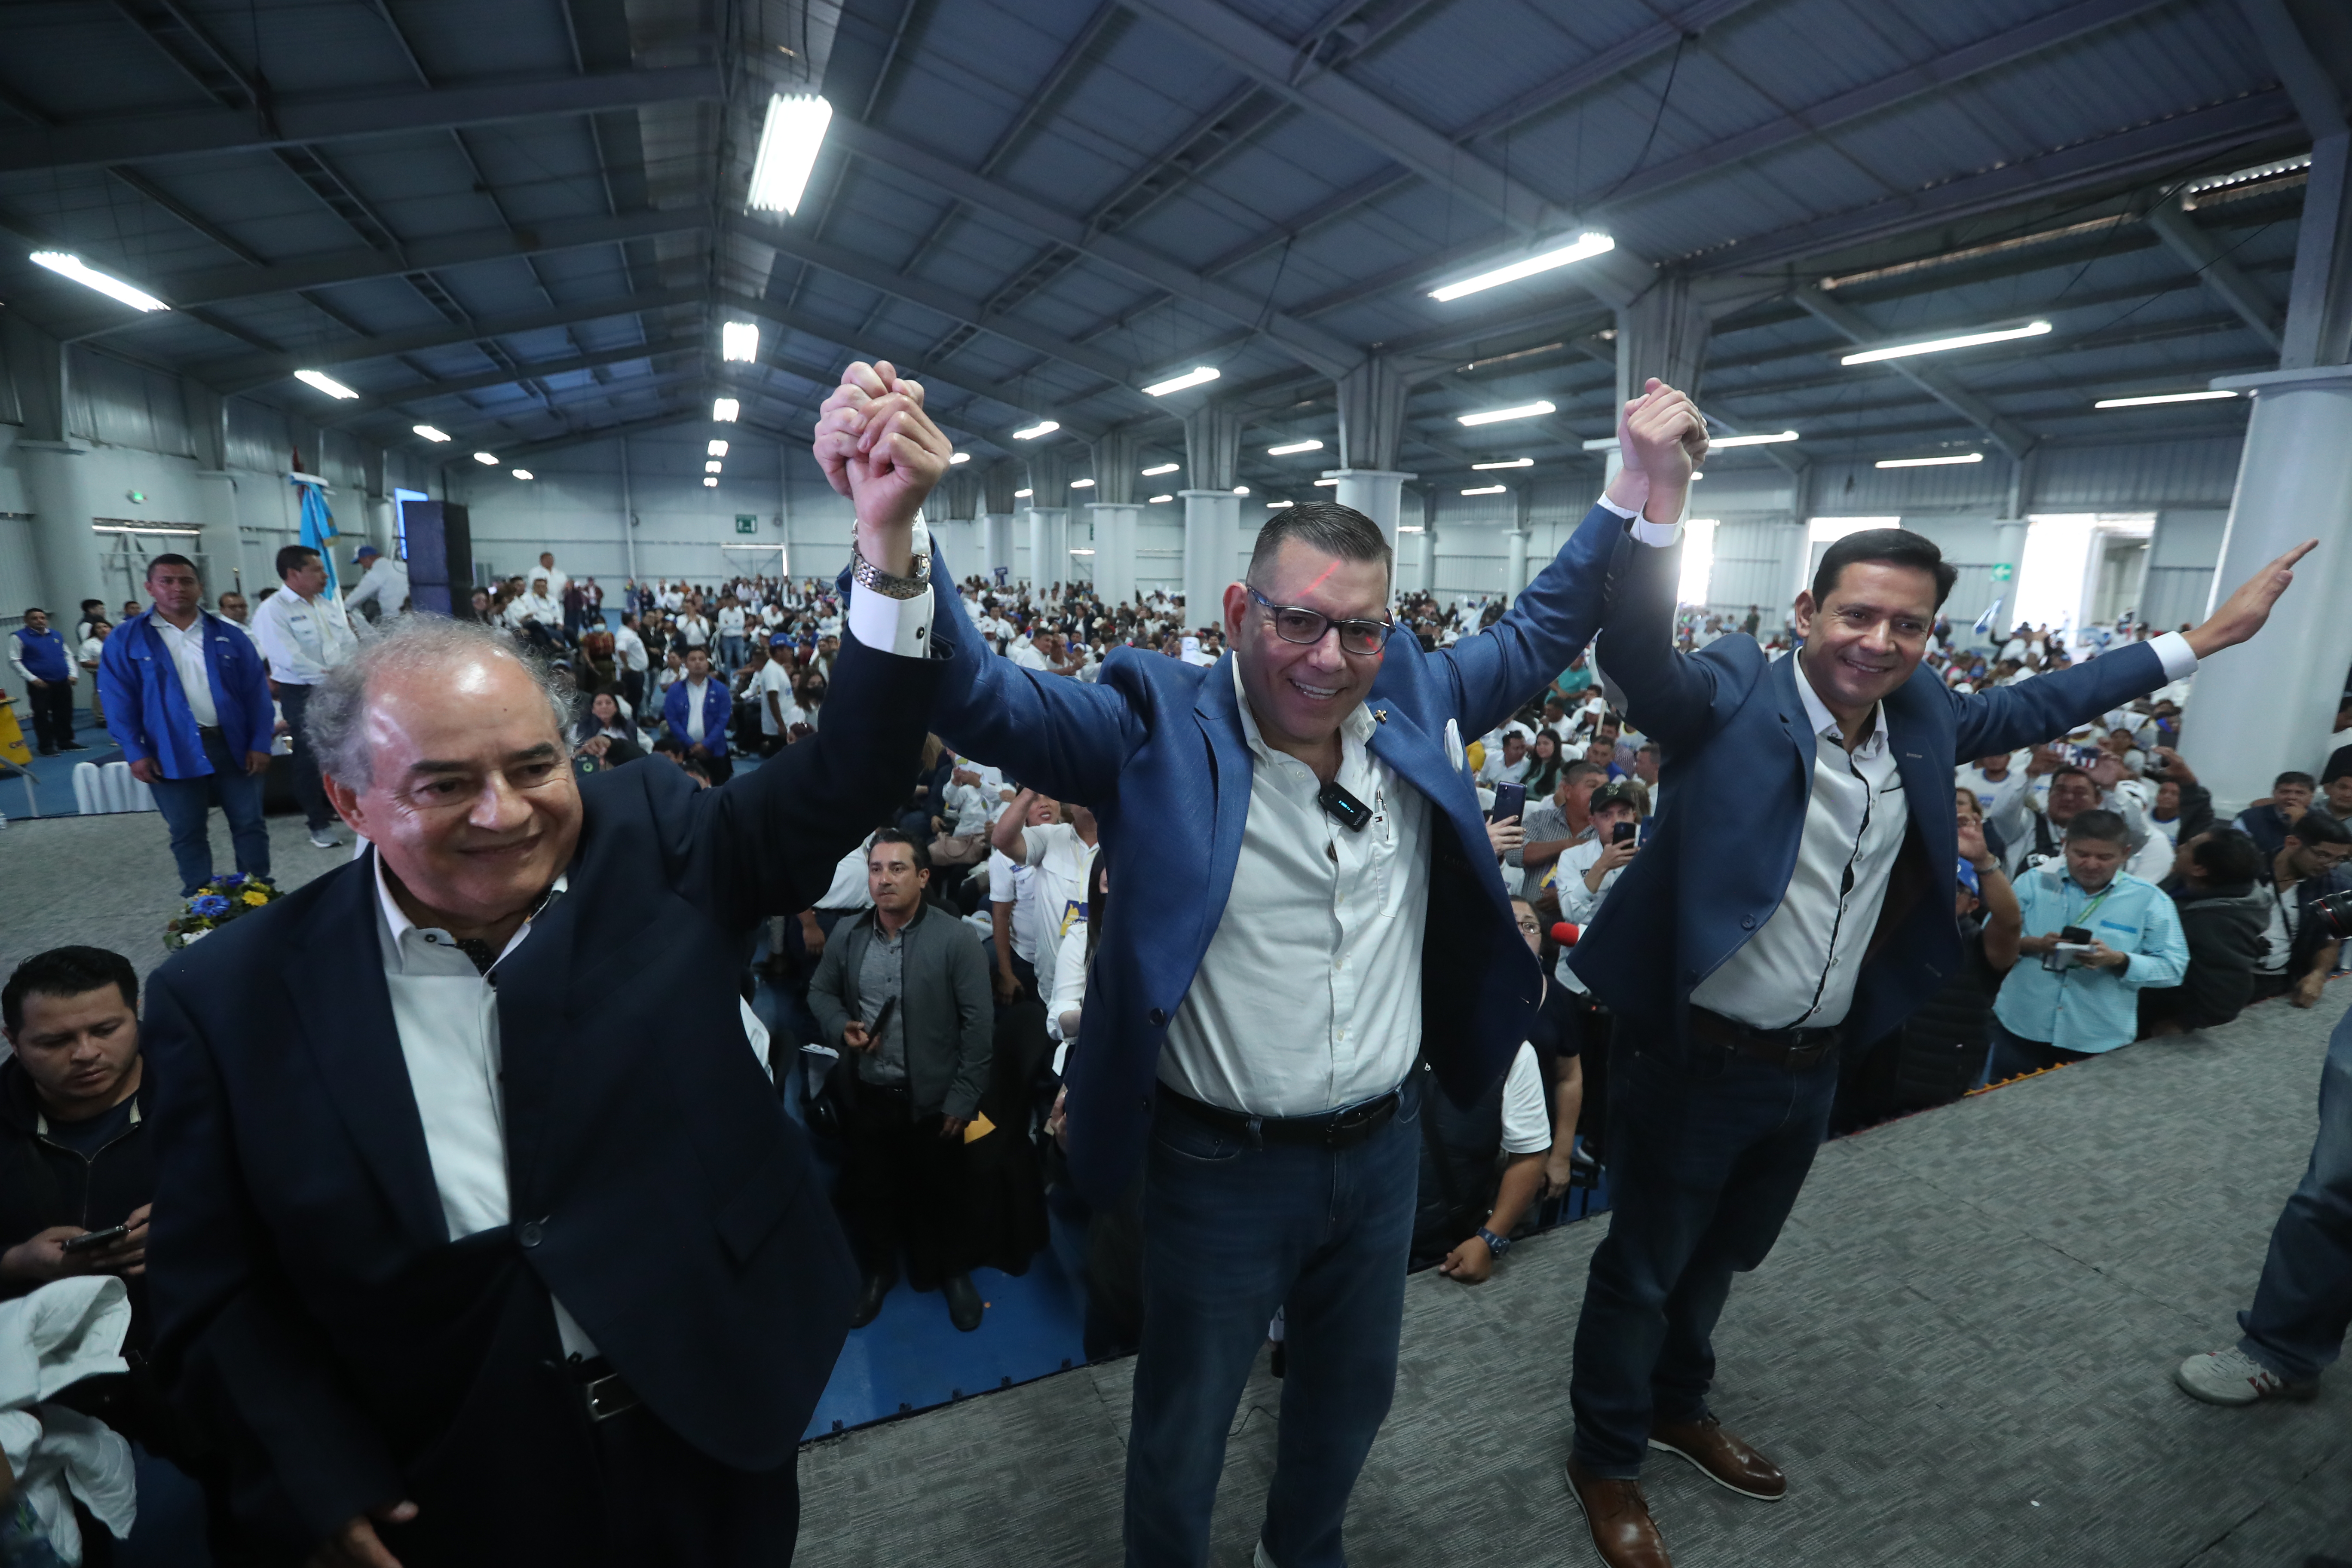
185,804
2012,1055
730,653
1231,1233
1705,1164
2305,1302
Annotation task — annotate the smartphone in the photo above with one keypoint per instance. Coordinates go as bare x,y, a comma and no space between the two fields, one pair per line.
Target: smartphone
95,1239
1623,831
1510,801
881,1019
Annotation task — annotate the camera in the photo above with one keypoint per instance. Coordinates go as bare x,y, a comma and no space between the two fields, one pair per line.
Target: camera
2334,914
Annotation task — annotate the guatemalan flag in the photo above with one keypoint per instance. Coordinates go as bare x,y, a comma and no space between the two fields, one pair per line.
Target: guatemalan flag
318,528
1985,622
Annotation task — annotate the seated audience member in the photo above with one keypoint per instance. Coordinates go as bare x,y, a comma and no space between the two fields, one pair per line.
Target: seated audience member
1467,1213
2224,914
2268,823
1558,823
2121,936
1941,1050
2335,791
697,710
2036,838
1506,764
2298,953
602,736
902,992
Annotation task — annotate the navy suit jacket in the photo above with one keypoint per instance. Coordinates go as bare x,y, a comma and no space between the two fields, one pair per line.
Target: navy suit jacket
307,1291
1155,746
1735,780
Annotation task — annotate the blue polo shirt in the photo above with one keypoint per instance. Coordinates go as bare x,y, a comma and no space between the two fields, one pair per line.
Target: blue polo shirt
2082,1009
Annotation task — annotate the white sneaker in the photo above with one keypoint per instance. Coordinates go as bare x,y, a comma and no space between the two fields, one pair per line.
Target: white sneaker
324,838
2234,1377
1258,1559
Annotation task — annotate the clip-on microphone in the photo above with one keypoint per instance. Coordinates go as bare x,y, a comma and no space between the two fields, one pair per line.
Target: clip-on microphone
1350,811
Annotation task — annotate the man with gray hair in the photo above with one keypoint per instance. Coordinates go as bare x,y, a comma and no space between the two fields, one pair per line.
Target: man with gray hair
489,1241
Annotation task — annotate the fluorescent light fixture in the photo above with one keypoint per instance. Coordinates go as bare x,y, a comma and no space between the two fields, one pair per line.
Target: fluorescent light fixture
1583,245
1241,490
712,466
64,264
1278,505
488,459
717,449
324,383
1948,460
955,458
724,410
523,473
1043,428
739,341
2241,176
1520,411
1082,552
1719,442
1291,448
788,148
430,433
1159,468
1082,484
709,484
1192,377
2160,397
1018,495
1938,345
1507,463
1326,484
1486,490
1408,528
1155,500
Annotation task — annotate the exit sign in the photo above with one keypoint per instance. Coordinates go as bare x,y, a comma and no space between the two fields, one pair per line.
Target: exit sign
746,522
2003,573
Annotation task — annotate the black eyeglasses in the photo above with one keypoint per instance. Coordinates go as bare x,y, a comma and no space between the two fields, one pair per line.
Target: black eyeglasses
1296,623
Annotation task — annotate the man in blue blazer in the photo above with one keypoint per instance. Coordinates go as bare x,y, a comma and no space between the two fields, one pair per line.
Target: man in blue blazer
187,699
481,1235
697,710
1794,896
1306,898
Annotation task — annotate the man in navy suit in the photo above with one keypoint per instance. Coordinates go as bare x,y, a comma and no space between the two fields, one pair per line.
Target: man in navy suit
483,1238
1794,896
1309,899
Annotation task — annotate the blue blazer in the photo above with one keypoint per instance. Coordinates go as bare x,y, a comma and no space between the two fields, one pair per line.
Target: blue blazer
1736,777
307,1292
147,711
717,704
1155,746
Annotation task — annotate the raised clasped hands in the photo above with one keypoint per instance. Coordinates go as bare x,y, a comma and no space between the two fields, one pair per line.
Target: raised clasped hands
1661,440
879,448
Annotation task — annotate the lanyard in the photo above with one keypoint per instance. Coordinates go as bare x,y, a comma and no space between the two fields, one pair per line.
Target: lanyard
2092,908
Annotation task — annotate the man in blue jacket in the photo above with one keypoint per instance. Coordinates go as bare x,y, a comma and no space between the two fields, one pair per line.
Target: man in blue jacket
188,702
41,662
697,710
1318,904
1794,894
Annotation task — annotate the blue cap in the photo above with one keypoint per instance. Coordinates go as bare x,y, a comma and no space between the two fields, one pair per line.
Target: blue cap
365,551
1968,880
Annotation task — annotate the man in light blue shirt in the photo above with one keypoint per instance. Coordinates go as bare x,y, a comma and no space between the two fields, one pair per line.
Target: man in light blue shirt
2095,937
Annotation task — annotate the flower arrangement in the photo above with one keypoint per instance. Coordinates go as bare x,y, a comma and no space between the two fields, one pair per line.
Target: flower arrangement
218,902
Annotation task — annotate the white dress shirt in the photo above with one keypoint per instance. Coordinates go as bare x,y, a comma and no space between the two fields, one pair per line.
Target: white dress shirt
386,583
1308,998
187,651
302,638
1799,969
630,648
694,692
1062,862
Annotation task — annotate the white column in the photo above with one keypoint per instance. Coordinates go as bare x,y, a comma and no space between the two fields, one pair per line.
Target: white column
1212,538
1515,573
996,543
1049,545
2260,710
224,543
2008,550
1429,558
1116,524
1378,493
58,479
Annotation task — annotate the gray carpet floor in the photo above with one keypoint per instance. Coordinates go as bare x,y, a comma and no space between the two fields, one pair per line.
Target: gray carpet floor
1960,1352
108,881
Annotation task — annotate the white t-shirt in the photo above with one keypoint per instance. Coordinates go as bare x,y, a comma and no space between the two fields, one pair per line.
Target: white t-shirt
774,678
849,890
1062,860
1012,884
1527,1108
630,648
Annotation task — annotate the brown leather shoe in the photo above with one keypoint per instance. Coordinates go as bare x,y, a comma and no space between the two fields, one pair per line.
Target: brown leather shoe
1619,1517
1727,1461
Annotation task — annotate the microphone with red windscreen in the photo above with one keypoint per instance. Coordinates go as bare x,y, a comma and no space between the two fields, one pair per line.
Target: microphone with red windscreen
1566,934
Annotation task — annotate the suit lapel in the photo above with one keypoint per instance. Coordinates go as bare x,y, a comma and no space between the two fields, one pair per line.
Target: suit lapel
1793,717
1421,762
1218,708
346,1010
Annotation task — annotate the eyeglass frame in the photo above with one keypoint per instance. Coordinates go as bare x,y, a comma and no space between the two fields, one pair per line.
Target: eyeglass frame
1387,628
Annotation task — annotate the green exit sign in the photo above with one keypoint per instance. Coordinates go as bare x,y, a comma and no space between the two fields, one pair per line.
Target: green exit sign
2003,572
746,522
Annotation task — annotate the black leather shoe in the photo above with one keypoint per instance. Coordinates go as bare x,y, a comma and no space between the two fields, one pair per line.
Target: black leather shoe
964,1306
869,1300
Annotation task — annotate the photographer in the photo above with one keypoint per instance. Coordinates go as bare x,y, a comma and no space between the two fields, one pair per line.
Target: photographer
2300,951
2095,936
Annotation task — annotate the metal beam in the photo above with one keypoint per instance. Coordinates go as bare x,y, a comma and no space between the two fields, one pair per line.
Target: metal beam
1939,72
2012,438
644,425
507,376
330,116
2306,79
2183,236
2164,144
1326,352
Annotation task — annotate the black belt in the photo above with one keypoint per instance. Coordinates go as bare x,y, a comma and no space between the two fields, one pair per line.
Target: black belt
1333,1129
1792,1049
602,1390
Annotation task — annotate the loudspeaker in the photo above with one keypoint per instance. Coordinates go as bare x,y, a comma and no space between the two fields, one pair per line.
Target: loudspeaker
440,557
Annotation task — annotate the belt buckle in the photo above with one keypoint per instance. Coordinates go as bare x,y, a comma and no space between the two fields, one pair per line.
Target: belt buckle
608,1396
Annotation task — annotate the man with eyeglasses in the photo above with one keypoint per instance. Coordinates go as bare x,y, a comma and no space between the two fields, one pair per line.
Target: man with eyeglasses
1310,904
